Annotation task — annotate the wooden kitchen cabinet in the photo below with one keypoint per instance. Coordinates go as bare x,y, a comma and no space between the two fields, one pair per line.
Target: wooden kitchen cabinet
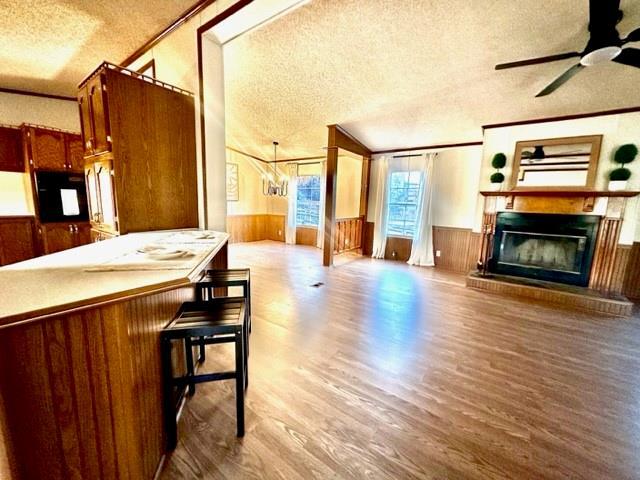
47,149
138,139
62,236
98,235
99,177
94,116
53,150
17,239
75,152
11,156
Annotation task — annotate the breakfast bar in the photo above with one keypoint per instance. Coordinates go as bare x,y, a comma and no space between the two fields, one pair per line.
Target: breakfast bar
80,369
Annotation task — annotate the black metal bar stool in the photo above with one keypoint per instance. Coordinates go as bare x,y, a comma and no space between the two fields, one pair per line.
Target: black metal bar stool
236,277
219,320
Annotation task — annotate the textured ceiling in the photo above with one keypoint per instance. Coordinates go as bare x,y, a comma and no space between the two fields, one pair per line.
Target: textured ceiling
49,46
410,72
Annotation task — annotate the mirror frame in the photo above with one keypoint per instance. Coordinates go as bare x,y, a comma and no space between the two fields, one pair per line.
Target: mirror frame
594,140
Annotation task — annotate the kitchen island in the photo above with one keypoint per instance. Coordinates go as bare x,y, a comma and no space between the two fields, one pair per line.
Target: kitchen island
80,373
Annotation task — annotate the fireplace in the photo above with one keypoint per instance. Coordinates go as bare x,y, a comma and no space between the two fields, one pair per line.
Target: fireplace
551,247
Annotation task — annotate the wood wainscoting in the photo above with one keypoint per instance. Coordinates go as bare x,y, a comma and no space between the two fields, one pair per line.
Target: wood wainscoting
626,274
348,234
252,228
458,247
307,236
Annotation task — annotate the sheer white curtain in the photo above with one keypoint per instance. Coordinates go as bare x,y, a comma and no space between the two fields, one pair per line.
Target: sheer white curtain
382,200
323,188
422,246
292,200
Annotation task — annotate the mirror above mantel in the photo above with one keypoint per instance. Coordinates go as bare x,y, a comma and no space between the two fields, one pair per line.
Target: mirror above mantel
568,163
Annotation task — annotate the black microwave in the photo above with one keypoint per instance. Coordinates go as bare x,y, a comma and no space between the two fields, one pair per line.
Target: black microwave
61,197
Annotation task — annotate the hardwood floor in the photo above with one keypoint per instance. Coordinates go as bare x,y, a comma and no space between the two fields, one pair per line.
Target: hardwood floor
395,372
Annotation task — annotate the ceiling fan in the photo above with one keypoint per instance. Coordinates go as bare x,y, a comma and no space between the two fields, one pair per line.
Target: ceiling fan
604,45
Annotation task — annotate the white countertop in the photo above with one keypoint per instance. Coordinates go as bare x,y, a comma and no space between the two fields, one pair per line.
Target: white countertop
60,281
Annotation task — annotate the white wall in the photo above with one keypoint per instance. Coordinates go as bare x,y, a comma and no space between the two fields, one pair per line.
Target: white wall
17,109
615,130
349,183
15,188
251,200
456,173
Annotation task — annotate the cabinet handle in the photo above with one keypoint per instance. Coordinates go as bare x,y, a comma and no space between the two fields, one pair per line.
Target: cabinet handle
71,228
75,228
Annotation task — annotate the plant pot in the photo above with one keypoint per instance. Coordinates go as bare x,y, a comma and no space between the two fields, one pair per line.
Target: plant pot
617,185
495,187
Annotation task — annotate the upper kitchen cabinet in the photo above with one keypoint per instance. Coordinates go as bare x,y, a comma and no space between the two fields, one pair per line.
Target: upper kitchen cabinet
11,156
53,150
94,115
47,150
140,152
75,152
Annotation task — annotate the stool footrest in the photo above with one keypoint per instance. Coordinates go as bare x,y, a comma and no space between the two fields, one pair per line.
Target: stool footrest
205,377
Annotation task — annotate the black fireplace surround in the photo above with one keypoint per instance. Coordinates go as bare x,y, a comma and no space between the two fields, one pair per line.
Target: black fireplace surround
551,247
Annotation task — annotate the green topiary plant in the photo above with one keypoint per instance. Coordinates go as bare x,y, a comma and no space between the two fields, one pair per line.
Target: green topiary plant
499,161
625,153
620,175
497,178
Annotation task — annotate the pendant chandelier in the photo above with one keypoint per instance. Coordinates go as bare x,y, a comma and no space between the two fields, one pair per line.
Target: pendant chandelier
274,184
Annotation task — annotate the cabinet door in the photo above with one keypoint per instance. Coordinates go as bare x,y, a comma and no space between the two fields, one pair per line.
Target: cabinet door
106,196
11,158
16,240
83,233
98,107
48,149
75,153
85,121
58,236
91,180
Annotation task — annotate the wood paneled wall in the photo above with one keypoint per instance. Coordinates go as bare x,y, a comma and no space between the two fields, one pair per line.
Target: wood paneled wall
631,284
307,236
348,234
626,275
458,247
252,228
82,392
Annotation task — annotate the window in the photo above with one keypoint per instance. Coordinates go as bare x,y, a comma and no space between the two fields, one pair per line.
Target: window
404,194
308,200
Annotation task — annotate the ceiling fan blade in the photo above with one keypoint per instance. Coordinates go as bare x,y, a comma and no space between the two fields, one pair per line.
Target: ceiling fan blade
634,36
535,61
629,56
560,80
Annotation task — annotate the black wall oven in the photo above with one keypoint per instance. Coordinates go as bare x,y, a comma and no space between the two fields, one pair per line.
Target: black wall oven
61,197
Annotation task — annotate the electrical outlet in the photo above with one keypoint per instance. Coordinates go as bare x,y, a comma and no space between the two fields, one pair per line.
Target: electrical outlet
437,253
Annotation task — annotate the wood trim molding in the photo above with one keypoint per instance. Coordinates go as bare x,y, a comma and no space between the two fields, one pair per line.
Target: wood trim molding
30,93
182,19
203,148
151,64
429,147
339,137
616,111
